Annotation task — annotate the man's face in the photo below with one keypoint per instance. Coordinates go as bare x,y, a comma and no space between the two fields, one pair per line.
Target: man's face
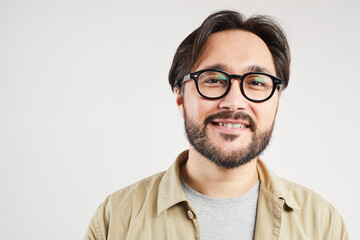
232,130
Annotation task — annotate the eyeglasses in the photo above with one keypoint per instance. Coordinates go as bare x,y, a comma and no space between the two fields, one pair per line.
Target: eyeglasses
215,84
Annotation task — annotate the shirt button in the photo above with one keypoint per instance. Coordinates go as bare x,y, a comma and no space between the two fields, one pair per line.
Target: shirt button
190,214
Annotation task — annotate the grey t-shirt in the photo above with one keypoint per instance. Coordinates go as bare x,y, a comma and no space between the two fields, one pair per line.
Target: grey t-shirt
224,218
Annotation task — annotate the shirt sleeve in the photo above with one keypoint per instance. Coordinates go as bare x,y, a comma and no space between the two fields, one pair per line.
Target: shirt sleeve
97,229
339,231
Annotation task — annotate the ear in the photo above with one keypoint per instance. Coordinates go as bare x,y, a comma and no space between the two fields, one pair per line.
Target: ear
179,101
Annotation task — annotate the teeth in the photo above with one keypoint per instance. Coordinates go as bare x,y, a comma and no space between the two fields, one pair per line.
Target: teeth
232,125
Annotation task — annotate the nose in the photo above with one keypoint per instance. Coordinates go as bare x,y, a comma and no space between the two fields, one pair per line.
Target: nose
234,99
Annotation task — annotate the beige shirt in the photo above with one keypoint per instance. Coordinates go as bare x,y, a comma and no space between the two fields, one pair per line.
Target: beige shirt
156,208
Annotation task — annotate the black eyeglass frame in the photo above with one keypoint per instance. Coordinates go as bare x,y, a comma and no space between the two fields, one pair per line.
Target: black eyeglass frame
195,75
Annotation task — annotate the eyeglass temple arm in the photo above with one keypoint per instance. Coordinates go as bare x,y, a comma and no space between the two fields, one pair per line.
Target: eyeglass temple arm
186,78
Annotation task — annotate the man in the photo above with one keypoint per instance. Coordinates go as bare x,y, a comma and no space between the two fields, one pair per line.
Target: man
227,76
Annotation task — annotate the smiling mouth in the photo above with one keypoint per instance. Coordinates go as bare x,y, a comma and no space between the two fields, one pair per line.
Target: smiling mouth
230,125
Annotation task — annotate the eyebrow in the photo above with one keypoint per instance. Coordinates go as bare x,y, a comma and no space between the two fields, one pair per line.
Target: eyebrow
257,68
251,68
217,66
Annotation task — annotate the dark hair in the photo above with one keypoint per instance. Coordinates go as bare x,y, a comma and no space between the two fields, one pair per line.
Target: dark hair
265,27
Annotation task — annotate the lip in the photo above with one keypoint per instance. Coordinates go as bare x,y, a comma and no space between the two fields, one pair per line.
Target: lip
233,121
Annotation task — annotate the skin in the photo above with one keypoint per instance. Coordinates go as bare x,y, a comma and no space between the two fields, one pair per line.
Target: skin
237,52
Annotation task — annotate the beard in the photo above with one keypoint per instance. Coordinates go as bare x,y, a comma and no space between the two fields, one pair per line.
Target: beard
198,138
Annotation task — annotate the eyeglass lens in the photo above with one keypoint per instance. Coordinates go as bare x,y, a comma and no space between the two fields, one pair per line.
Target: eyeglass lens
214,84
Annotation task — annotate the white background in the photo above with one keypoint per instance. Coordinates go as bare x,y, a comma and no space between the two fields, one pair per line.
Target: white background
85,107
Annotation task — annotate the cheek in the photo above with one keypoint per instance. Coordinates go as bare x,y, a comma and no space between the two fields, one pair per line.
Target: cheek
265,114
196,107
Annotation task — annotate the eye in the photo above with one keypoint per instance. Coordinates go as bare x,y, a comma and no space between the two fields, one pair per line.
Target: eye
214,82
258,82
213,79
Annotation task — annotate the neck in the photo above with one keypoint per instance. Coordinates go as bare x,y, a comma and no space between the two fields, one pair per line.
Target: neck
207,178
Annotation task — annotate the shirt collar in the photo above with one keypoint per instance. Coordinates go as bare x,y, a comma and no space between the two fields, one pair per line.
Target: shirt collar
278,187
171,192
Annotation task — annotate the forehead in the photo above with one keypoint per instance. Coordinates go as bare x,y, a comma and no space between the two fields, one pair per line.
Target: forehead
236,50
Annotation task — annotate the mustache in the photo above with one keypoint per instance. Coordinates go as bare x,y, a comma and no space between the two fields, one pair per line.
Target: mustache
232,115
